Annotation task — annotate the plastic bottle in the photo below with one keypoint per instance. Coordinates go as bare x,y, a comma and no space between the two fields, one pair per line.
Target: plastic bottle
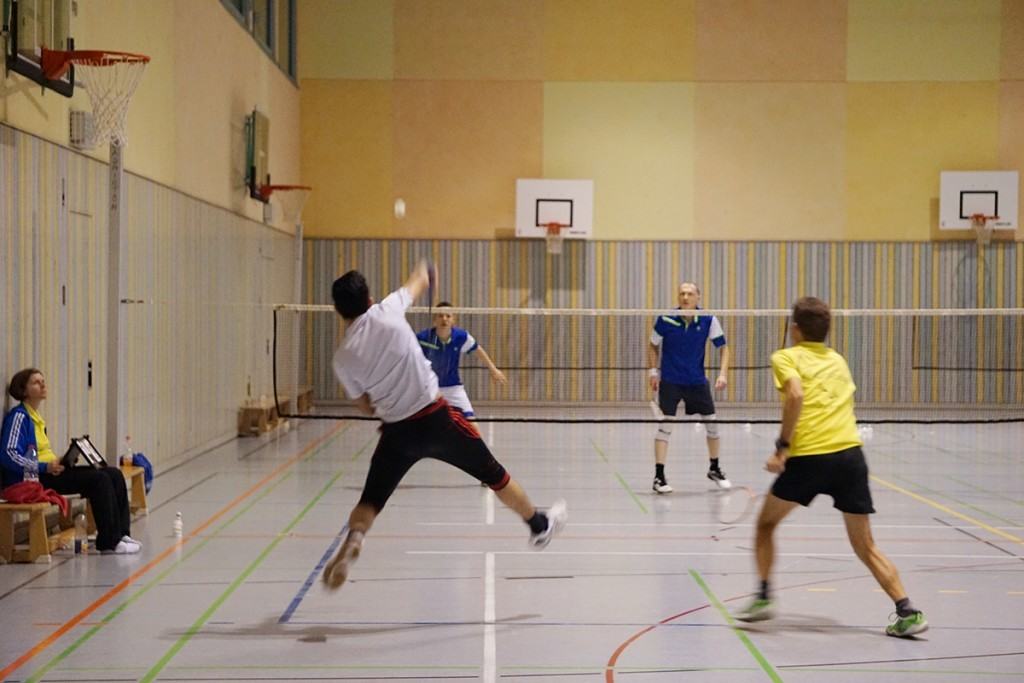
81,534
176,528
127,453
30,471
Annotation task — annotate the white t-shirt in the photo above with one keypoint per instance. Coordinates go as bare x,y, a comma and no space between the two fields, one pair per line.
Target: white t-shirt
381,356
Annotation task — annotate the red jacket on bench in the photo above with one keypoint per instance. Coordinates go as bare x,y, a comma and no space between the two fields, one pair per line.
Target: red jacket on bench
33,492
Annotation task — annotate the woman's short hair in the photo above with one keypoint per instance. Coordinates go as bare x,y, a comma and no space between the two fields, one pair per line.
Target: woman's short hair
19,383
813,317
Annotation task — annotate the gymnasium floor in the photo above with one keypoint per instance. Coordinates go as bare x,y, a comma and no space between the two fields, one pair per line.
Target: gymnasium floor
636,589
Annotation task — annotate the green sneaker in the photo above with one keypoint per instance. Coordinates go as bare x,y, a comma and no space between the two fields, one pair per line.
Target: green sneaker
910,625
759,609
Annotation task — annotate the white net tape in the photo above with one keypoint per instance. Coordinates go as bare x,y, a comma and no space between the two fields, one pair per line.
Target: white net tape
110,84
725,312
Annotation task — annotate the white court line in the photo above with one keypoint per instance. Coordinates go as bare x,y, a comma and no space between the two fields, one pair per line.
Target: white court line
641,553
719,524
489,496
490,646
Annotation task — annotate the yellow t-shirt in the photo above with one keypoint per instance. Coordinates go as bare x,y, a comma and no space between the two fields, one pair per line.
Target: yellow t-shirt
827,423
43,448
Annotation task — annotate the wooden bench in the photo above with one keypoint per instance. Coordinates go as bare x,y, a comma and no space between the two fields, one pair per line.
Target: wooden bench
304,400
258,416
31,532
135,477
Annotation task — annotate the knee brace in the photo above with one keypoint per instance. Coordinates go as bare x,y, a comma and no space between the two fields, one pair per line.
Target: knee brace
710,426
664,432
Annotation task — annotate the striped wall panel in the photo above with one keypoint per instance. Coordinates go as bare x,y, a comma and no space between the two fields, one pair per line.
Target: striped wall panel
901,361
196,346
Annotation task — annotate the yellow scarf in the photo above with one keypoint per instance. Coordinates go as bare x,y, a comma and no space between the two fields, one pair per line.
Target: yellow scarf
43,448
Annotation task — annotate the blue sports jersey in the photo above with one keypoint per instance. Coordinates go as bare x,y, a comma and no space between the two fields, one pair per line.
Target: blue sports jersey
444,356
682,346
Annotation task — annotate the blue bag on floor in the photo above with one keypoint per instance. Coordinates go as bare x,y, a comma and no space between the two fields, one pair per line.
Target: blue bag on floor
140,460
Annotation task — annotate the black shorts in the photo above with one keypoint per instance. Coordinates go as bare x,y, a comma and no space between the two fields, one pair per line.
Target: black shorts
438,431
696,399
842,475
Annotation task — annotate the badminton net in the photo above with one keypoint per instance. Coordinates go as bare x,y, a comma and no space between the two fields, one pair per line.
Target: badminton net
589,365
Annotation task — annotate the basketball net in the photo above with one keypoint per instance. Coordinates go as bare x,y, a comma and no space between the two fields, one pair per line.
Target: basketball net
292,199
553,237
982,230
110,79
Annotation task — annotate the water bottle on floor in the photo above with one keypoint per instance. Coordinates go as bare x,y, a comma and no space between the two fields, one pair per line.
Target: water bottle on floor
81,534
176,528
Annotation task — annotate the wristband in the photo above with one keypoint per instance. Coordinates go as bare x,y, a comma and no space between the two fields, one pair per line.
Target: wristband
781,444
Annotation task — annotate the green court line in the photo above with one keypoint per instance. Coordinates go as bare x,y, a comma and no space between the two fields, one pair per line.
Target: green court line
85,637
768,668
930,672
547,668
622,482
983,490
550,668
977,509
940,494
216,604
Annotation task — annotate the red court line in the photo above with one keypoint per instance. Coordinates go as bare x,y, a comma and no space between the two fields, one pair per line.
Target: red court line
106,597
609,669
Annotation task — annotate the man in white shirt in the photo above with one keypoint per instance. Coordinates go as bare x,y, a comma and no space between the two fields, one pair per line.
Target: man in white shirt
380,366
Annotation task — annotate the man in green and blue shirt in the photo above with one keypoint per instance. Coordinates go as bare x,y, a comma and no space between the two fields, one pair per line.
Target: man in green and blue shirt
680,376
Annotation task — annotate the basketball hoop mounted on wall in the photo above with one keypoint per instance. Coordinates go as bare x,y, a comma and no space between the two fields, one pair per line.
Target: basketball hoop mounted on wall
982,228
110,79
553,237
291,198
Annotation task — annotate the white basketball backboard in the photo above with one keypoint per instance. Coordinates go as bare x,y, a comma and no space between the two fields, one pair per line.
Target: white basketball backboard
568,202
965,193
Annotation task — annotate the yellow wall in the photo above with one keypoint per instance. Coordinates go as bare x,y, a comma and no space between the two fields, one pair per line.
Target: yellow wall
697,119
346,40
626,135
347,119
924,40
185,122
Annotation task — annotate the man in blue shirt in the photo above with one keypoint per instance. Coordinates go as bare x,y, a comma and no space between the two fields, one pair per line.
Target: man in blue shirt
680,377
444,345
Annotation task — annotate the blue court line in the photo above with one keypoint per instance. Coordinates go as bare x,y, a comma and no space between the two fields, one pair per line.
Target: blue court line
297,600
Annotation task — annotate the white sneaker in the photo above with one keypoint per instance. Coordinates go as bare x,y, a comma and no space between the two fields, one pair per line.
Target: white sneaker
123,548
557,514
128,539
720,479
336,571
661,486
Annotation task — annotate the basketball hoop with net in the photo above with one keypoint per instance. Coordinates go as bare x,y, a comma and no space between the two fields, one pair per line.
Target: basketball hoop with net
553,237
982,229
110,79
291,198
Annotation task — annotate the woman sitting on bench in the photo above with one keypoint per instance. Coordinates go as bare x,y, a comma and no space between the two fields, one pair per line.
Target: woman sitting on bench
25,448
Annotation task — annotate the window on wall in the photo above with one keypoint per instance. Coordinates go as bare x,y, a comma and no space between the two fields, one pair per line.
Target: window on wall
272,25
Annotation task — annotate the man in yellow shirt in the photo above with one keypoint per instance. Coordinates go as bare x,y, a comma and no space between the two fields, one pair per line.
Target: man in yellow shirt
819,451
